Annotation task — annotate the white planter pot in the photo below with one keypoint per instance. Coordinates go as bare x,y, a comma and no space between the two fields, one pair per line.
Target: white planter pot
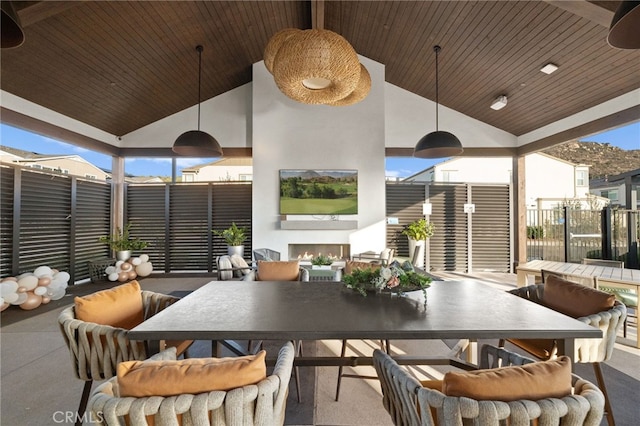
412,247
325,267
123,255
239,250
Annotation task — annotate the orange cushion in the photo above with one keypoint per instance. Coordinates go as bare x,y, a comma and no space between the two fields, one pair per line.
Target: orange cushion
119,306
189,376
278,270
535,381
351,265
574,299
540,348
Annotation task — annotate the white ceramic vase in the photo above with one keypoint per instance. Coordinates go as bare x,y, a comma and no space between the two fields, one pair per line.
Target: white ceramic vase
412,249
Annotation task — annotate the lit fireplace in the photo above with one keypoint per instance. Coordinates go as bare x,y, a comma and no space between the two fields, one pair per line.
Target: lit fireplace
309,251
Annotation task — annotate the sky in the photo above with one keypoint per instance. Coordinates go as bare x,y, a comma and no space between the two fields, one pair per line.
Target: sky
626,137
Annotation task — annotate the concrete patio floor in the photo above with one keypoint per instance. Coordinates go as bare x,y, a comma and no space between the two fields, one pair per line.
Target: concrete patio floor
38,386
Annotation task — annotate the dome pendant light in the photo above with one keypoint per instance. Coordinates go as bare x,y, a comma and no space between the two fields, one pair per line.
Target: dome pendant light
196,143
623,32
437,144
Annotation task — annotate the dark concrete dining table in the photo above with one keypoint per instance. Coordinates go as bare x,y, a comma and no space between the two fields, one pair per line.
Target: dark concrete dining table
265,310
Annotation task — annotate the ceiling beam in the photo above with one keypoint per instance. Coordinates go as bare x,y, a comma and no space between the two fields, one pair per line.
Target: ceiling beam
317,14
34,125
585,9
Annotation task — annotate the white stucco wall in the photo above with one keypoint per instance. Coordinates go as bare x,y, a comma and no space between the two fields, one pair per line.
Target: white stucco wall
291,135
409,117
547,178
224,117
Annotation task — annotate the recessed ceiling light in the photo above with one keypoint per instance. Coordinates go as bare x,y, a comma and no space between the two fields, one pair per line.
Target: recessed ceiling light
499,103
549,68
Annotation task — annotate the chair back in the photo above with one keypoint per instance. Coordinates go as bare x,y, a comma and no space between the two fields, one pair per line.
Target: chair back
409,403
265,254
261,404
386,256
97,349
588,281
610,322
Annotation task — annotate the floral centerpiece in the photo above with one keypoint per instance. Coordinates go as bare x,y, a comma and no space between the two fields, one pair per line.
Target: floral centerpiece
395,278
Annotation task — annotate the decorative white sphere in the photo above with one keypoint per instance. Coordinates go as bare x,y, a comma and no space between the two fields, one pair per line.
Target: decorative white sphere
42,270
144,269
29,282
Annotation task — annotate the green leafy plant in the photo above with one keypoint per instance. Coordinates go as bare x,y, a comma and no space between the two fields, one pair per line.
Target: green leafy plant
391,279
120,240
418,230
321,259
233,235
534,232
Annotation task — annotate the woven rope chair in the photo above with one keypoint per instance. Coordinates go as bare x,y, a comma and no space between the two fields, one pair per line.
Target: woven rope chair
261,404
97,349
592,351
409,403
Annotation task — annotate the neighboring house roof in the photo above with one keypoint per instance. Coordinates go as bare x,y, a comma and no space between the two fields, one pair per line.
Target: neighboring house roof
616,180
223,162
26,155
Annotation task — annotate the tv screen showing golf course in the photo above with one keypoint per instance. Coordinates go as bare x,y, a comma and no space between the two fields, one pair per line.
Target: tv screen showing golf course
318,192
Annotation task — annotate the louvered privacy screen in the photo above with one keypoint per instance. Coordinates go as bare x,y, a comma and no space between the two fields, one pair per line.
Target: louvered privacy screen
52,219
176,220
56,220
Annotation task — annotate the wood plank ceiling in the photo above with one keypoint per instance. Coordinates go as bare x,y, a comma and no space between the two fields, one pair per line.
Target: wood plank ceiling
119,66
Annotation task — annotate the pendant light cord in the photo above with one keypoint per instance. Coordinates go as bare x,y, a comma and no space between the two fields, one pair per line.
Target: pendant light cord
199,49
437,50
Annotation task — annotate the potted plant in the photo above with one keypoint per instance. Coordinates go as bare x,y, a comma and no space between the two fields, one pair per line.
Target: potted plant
122,243
417,232
321,262
234,236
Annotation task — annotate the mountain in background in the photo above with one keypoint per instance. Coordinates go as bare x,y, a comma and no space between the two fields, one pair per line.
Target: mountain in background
603,159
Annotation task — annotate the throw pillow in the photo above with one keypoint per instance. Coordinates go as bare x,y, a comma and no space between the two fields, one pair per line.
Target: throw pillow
278,270
534,381
119,306
224,262
189,376
350,265
238,262
573,299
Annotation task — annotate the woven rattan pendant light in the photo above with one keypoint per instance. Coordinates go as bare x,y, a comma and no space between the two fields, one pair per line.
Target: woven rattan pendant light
359,93
316,67
437,144
196,143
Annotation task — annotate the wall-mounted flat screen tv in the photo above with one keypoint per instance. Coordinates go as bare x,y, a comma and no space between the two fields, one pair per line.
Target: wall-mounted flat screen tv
318,192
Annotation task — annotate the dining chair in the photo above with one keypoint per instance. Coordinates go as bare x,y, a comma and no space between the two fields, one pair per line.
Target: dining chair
231,267
261,403
281,271
502,391
265,254
385,257
589,305
625,295
97,349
